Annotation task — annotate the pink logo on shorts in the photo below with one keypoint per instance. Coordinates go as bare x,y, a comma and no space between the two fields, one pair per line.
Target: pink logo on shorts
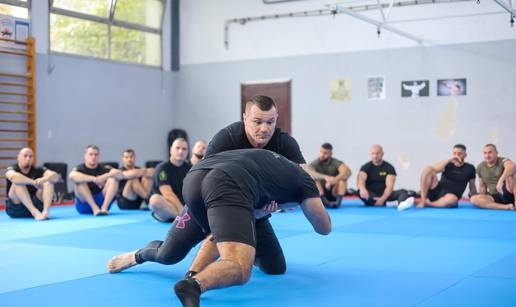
181,220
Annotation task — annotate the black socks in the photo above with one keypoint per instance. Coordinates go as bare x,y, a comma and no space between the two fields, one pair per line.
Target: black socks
189,292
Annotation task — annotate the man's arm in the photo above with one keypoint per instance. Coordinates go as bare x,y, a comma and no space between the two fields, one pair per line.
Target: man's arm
78,177
134,173
169,195
48,176
482,187
344,172
314,211
472,187
441,165
18,178
389,187
508,169
361,180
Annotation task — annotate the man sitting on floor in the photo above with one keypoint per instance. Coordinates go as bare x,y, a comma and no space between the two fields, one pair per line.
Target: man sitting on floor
455,176
167,201
29,188
333,186
95,184
135,185
497,181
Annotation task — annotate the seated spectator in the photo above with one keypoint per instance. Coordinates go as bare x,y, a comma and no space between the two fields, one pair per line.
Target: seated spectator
167,201
29,188
198,151
331,176
136,184
455,176
496,181
376,182
95,184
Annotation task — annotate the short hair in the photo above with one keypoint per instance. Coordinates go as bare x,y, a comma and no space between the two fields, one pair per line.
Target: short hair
179,139
460,146
92,147
264,103
491,145
327,146
129,150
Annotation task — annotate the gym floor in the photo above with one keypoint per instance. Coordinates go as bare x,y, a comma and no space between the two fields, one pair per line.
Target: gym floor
373,257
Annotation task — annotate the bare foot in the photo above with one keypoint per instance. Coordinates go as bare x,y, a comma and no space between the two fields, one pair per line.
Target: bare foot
121,262
40,217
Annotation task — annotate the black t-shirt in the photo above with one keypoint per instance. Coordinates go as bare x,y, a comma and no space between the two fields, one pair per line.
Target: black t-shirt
99,170
234,137
455,179
263,175
123,182
34,173
376,176
167,173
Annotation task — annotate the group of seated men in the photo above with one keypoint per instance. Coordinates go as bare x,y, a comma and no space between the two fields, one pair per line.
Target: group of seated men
376,180
30,189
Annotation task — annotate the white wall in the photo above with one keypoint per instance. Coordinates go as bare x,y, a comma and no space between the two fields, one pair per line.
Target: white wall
202,28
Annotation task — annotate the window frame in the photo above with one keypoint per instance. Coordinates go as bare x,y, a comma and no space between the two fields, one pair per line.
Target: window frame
109,21
25,4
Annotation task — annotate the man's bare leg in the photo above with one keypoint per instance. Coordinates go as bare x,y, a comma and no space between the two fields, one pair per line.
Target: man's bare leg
138,188
21,197
233,268
82,191
109,192
207,254
121,262
483,201
47,195
162,208
447,201
428,181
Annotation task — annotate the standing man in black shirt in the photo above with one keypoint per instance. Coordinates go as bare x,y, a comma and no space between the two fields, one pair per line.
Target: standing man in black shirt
95,184
376,181
258,129
167,201
455,176
29,188
135,185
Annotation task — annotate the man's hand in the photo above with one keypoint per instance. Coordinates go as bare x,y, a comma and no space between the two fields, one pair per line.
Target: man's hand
379,201
266,210
364,194
499,186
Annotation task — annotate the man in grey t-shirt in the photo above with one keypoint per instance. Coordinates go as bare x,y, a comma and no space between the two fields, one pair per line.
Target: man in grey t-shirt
497,181
333,182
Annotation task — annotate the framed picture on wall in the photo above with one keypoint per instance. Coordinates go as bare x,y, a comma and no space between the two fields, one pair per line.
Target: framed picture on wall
376,88
340,89
451,87
416,88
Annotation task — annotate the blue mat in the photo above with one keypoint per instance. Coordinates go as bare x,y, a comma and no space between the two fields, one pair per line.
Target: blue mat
373,257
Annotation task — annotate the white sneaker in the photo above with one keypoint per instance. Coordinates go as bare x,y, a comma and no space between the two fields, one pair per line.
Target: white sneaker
407,203
390,204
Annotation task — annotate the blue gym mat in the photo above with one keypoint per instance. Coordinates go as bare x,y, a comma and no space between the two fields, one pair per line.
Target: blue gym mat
373,257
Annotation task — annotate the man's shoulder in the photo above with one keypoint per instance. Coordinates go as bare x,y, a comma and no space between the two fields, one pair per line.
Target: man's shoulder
482,165
14,167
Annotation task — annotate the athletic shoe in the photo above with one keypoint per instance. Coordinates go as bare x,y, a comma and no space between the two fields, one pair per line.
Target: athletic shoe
407,203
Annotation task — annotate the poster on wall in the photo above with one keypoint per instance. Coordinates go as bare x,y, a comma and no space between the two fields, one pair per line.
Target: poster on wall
416,88
451,87
340,89
7,27
376,88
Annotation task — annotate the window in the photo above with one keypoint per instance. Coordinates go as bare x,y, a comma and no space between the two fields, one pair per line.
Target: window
121,30
15,8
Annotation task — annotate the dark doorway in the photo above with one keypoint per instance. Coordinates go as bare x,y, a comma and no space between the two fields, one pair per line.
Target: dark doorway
278,91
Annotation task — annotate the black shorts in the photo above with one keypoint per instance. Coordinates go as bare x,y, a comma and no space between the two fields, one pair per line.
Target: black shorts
219,206
19,210
436,193
127,204
504,198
